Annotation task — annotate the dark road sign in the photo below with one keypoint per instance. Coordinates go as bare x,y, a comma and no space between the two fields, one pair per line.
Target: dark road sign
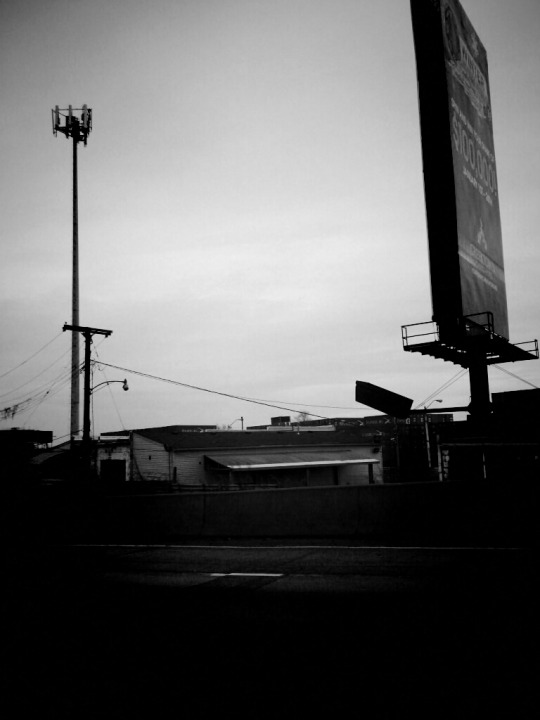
386,401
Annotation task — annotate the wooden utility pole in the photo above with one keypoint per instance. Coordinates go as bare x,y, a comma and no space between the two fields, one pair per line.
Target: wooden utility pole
87,333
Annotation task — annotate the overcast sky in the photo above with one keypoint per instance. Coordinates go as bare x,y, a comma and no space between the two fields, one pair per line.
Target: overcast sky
251,204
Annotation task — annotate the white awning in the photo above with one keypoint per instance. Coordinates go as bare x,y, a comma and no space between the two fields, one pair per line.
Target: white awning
264,460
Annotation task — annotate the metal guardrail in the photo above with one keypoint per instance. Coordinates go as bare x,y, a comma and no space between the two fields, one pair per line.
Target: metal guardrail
530,346
427,335
477,331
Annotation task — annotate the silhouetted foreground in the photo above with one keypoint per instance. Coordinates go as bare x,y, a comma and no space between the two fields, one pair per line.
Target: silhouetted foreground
502,514
163,632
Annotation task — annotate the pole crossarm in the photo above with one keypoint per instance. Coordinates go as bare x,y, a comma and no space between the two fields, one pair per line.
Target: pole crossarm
87,330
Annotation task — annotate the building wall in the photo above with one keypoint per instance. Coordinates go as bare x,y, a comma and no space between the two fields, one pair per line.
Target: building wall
190,472
116,453
150,460
496,513
188,468
359,474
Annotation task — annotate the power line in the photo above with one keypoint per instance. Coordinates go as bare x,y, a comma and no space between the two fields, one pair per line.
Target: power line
37,392
11,392
462,372
213,392
33,401
443,387
527,382
109,389
61,437
31,357
329,407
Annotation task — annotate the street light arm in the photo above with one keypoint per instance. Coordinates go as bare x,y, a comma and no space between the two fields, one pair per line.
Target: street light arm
109,382
237,419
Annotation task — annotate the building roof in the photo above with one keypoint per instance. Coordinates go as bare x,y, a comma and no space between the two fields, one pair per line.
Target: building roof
301,458
47,455
20,436
180,440
172,428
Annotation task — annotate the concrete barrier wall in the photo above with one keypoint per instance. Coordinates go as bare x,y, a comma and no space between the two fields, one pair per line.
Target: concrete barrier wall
320,511
409,513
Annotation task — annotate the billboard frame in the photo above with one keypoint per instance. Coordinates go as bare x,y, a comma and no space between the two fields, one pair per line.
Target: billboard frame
460,185
470,315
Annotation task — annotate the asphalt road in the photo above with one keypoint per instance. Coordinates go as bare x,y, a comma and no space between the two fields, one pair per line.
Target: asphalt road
270,631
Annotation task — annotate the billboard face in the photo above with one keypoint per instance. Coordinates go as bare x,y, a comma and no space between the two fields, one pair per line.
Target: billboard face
460,144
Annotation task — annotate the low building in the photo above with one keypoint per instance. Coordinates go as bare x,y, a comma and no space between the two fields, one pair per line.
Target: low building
409,445
113,452
503,447
18,450
279,424
113,459
227,460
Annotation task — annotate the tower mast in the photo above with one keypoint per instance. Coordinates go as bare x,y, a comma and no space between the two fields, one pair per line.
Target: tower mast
76,124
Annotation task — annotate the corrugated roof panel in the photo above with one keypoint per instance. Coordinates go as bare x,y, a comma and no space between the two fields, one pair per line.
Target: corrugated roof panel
290,459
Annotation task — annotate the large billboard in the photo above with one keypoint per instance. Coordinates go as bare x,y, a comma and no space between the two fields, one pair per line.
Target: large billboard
460,175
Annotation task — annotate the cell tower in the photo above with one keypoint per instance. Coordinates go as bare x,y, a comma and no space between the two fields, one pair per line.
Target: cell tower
75,123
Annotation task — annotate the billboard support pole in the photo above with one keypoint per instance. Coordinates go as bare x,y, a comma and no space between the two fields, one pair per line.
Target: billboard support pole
479,382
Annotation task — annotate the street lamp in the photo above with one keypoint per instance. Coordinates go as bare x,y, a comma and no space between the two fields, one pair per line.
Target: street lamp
86,429
237,419
108,382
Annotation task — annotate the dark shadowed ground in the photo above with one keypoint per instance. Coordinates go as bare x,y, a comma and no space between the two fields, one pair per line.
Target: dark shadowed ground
264,631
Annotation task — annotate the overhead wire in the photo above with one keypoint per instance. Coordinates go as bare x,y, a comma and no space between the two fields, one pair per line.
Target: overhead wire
31,357
442,388
10,392
504,370
67,435
460,374
34,400
98,364
31,402
39,396
55,387
329,407
207,390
